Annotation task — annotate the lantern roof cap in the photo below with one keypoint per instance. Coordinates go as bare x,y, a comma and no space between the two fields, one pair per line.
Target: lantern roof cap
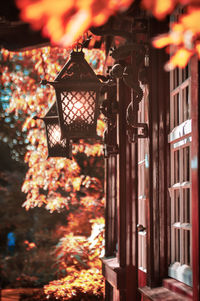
52,113
77,69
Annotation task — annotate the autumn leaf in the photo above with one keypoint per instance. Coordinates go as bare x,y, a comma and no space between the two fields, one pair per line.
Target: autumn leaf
66,21
59,183
183,38
159,8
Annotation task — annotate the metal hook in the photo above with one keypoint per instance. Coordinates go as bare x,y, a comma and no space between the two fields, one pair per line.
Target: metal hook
79,46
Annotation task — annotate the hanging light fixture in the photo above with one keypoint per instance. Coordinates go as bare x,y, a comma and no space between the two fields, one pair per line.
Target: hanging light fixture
57,146
77,95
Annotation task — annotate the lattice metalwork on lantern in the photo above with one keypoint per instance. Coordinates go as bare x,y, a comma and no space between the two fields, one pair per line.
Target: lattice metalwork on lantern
78,109
77,95
57,147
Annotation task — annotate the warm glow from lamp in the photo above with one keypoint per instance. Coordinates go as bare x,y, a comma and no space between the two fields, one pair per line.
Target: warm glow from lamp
78,106
76,109
57,134
54,134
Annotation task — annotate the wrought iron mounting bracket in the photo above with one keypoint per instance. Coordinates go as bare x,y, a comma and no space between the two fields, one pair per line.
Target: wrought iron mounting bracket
110,150
109,108
138,27
132,131
135,129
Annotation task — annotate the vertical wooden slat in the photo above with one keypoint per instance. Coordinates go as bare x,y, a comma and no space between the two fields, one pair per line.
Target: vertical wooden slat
121,184
157,204
142,183
132,213
173,201
147,182
195,175
133,208
113,212
181,209
122,179
163,149
110,203
111,196
150,204
107,243
153,218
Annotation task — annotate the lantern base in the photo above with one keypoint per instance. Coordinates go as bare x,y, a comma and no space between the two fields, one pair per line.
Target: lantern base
58,151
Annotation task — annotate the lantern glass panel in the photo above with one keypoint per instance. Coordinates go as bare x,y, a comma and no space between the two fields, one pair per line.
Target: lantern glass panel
54,136
78,109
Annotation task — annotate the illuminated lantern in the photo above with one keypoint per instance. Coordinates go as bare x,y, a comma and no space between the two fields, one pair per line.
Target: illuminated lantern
77,95
57,147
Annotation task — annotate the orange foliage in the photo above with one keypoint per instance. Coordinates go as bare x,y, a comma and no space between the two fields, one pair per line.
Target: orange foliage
159,8
79,257
183,36
57,183
29,245
88,283
79,222
66,21
29,97
180,59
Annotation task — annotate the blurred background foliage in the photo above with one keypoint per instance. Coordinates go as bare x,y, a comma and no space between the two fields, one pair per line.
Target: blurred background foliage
53,241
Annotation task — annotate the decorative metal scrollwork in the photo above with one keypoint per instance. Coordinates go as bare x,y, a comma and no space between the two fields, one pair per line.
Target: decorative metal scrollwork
132,76
110,108
135,130
133,126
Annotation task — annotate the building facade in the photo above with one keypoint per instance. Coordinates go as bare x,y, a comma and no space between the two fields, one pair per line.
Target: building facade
152,182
